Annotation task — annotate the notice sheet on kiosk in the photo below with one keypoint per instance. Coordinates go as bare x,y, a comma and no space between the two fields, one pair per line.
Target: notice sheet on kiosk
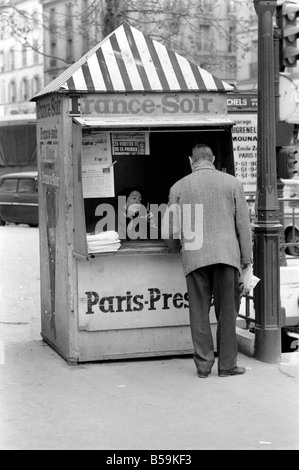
97,168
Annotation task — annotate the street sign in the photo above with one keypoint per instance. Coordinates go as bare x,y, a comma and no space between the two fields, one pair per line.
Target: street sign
243,107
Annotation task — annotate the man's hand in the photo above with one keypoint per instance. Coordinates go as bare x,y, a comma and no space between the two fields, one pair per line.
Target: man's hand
241,285
247,280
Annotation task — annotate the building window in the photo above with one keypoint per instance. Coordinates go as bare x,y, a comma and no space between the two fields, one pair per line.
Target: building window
2,68
2,92
85,27
253,70
25,89
36,84
254,59
69,50
35,52
231,39
2,32
24,56
86,42
205,6
53,61
254,50
52,21
12,92
69,17
204,38
231,7
84,7
35,19
12,64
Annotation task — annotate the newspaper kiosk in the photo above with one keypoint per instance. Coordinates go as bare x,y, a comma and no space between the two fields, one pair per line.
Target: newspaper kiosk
125,114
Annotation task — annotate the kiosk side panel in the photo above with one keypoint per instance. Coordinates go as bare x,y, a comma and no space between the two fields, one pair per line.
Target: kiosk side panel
52,140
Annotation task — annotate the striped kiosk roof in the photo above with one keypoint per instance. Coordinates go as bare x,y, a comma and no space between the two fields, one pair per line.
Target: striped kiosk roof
128,61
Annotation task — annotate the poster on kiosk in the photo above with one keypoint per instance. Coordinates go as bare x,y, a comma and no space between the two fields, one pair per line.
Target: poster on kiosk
123,118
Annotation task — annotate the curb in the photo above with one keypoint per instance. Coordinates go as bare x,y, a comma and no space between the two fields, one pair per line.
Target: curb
246,341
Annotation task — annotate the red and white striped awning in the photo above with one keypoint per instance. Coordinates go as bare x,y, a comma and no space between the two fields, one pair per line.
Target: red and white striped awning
128,61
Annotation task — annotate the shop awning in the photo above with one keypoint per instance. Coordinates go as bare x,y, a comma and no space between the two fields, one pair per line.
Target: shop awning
17,119
128,61
157,121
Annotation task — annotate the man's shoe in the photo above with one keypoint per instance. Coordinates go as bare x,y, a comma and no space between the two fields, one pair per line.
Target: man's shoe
203,375
235,371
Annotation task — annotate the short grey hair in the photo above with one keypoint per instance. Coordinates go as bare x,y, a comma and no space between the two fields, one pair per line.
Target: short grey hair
202,152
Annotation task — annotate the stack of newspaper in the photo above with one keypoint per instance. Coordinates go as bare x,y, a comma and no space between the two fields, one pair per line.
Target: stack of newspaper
103,242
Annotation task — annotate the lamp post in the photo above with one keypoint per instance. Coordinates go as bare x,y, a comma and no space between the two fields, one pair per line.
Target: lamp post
267,227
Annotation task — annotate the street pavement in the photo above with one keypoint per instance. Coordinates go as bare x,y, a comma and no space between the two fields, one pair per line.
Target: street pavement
144,404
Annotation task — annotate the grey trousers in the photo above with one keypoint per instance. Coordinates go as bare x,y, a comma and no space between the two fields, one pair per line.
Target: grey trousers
222,282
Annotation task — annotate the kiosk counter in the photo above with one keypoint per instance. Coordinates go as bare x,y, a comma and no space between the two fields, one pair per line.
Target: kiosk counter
127,114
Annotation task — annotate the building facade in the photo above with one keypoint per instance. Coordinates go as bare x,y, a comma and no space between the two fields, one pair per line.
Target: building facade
246,38
39,39
71,28
202,31
21,56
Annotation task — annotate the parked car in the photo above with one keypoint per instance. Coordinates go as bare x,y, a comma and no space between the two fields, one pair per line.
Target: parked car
19,198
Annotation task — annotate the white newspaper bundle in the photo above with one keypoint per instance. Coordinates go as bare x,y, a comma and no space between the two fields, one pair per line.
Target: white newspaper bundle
249,280
103,242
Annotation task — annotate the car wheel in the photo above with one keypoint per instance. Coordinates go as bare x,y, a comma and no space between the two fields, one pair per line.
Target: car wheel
1,222
293,250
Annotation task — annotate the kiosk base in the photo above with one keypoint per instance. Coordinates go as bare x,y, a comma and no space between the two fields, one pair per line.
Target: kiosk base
102,346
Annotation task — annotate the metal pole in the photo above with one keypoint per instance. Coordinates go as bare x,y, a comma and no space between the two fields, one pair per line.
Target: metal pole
267,227
280,184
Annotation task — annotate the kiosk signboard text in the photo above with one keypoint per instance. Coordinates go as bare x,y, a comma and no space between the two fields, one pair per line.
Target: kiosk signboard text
171,104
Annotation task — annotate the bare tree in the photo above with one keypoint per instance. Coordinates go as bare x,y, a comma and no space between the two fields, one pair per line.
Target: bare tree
175,23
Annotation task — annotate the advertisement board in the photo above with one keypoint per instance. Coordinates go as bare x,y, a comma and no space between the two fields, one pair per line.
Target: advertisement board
136,301
243,108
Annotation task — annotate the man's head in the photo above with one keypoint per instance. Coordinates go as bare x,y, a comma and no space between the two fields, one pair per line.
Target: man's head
200,153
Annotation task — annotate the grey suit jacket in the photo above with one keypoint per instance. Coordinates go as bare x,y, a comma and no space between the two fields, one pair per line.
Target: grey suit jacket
213,218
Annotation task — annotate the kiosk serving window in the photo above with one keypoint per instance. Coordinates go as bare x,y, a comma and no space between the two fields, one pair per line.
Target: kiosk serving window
111,162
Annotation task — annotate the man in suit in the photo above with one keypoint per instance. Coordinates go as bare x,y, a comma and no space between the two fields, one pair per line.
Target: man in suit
209,223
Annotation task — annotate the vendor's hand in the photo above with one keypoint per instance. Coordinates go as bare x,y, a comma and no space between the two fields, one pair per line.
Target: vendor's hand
133,209
151,219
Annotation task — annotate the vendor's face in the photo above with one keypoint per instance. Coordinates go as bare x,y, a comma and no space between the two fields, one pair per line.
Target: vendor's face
134,198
